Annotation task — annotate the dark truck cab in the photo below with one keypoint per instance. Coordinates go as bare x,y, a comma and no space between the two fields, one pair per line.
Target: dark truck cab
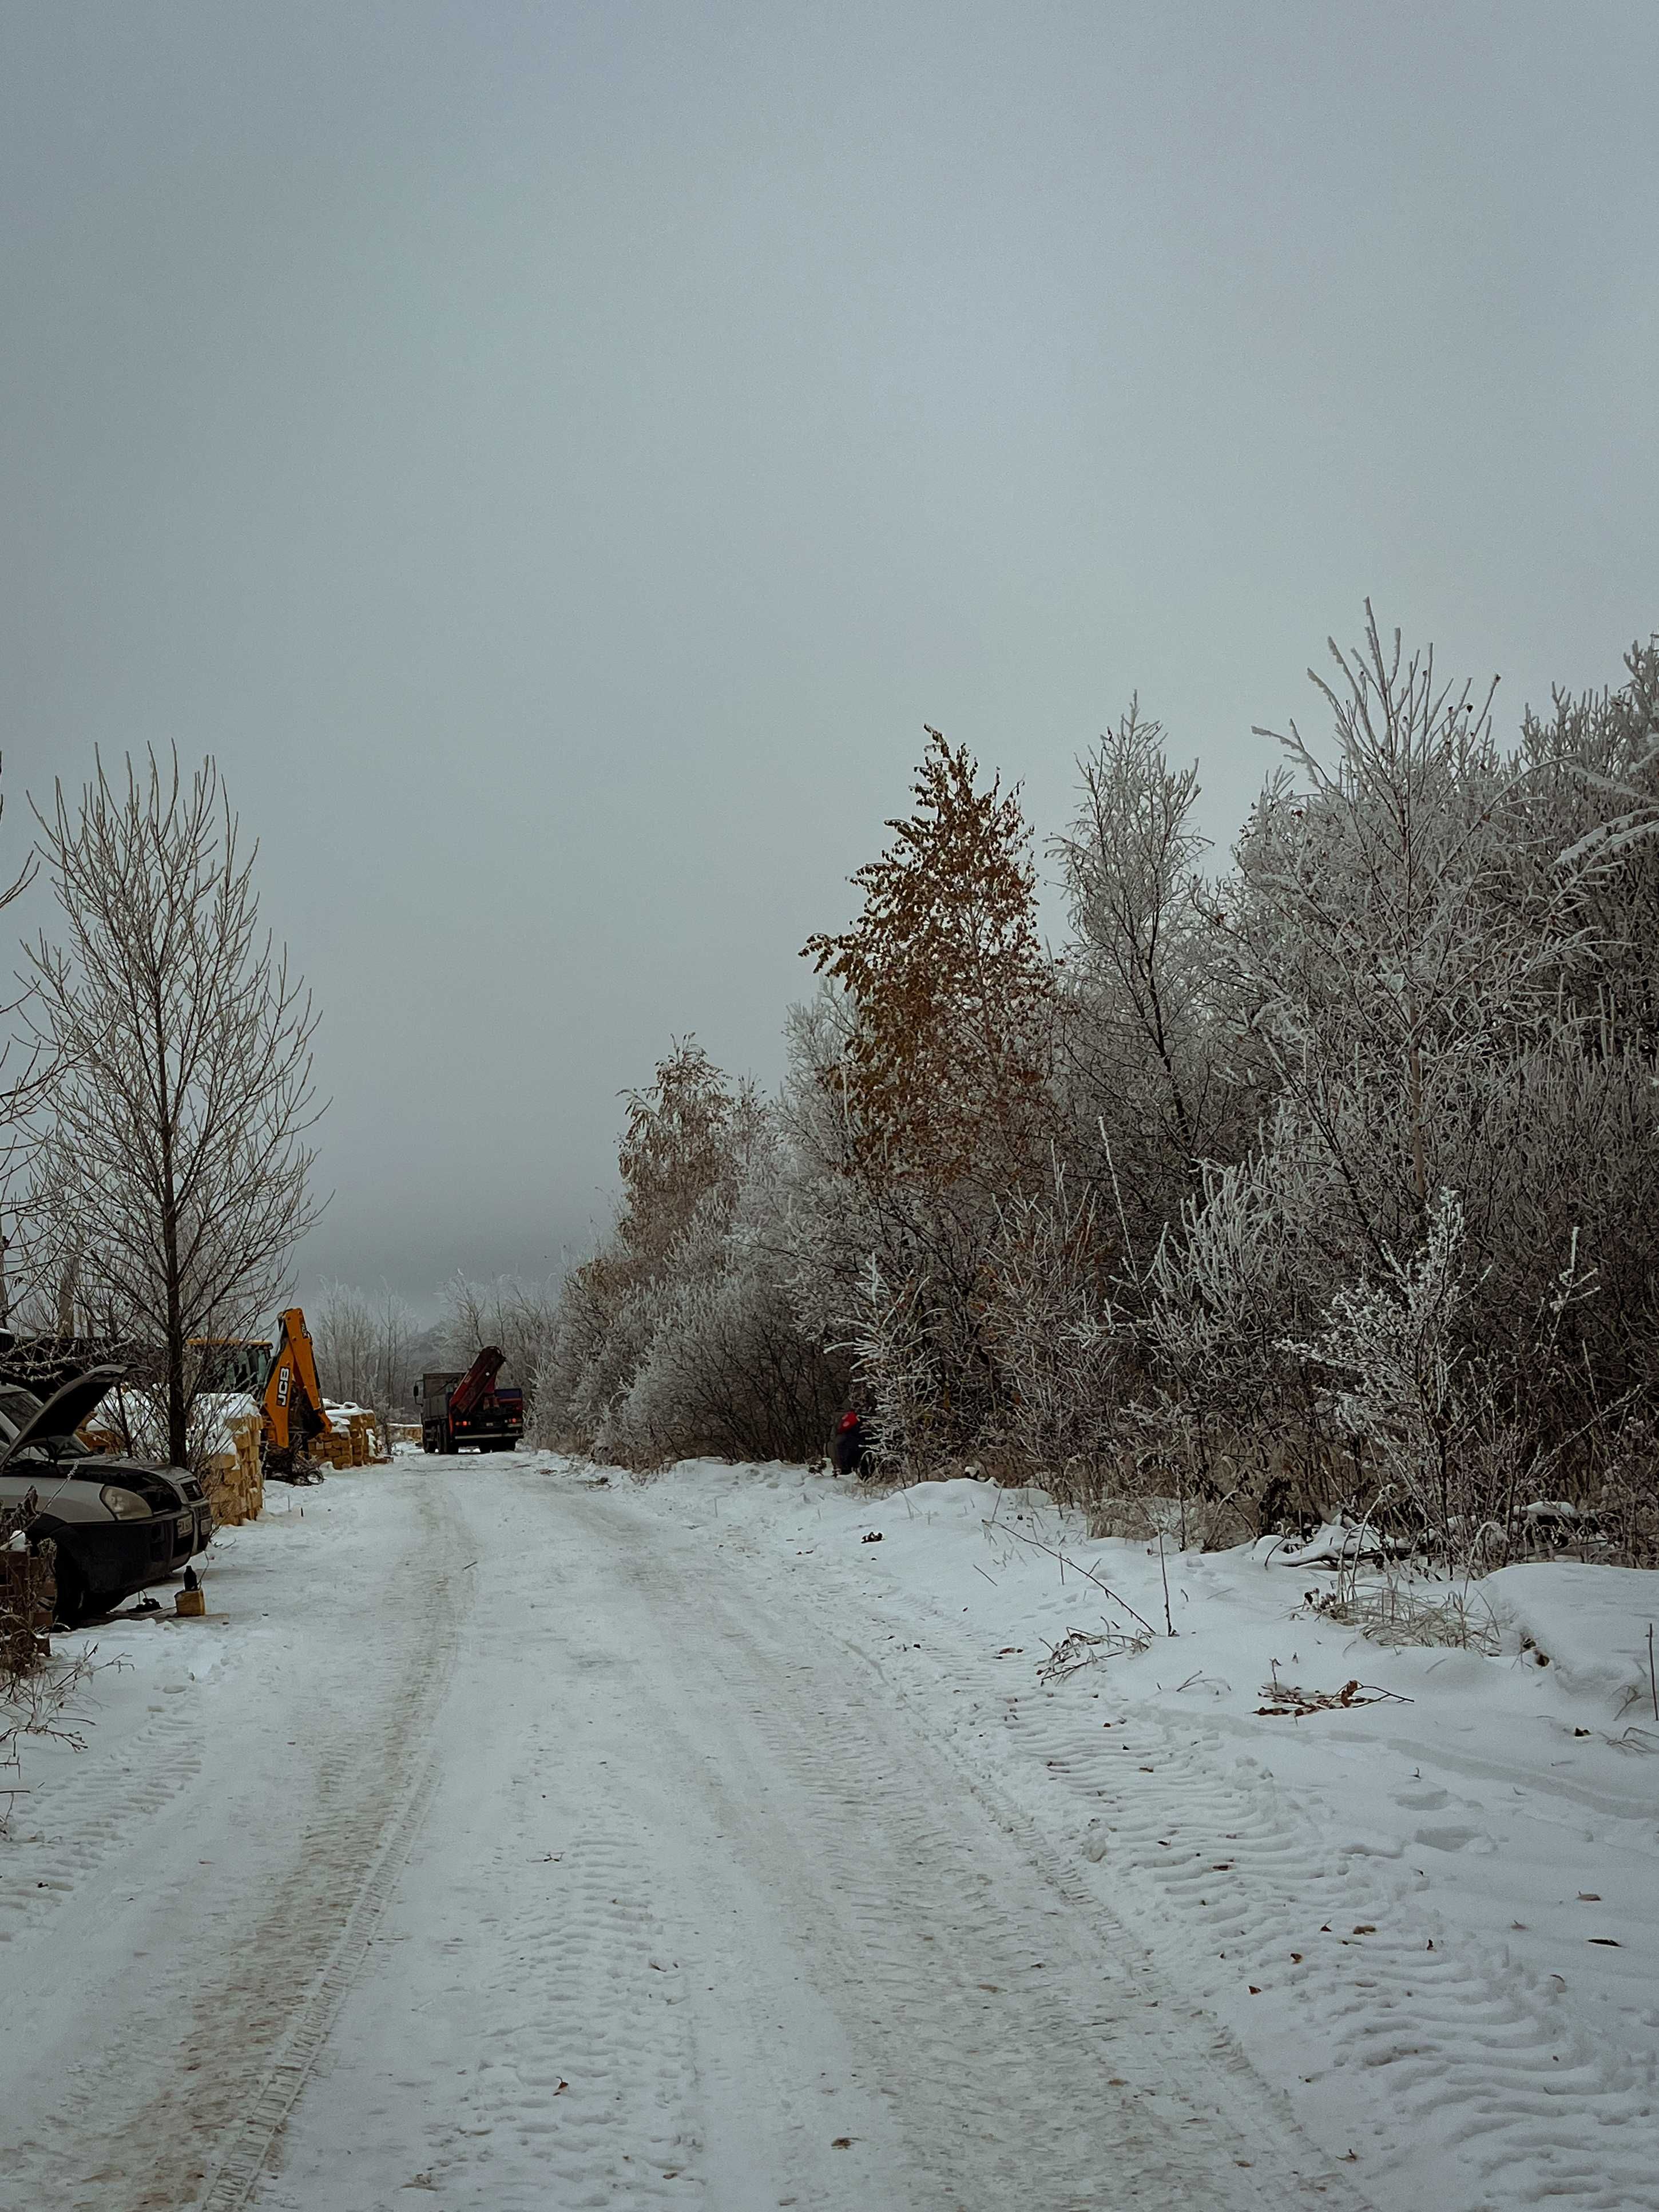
468,1409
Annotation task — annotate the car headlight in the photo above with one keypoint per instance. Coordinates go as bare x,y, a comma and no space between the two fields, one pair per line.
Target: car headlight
124,1505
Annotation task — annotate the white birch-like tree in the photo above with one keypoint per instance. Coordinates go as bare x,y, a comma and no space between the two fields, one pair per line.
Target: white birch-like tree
365,1345
173,1155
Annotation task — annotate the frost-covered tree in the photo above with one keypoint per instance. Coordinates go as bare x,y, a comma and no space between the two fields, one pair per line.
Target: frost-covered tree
1592,784
674,1152
1154,1069
1373,930
172,1155
1433,989
1324,1175
729,1369
680,1336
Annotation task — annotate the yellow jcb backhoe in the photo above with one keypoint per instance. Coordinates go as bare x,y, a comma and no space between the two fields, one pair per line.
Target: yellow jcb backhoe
295,1416
283,1380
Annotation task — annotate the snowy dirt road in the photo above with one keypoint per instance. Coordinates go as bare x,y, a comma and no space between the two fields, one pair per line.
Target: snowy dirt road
545,1856
184,1905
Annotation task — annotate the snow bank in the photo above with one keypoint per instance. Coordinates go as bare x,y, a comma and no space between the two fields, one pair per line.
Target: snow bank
1589,1625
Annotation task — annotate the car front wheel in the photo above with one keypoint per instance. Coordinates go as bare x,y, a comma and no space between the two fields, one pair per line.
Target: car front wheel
74,1600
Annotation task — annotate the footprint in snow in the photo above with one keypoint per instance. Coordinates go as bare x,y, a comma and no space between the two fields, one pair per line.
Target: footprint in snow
1456,1839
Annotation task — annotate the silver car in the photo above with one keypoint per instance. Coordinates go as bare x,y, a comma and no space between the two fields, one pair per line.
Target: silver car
118,1524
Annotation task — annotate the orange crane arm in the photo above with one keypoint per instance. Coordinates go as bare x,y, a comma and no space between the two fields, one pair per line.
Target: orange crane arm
293,1400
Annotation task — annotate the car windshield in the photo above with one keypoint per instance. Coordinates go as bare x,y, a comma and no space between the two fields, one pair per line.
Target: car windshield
16,1406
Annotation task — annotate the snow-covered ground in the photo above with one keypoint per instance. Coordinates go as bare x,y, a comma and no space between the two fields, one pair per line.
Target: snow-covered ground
526,1839
1433,1924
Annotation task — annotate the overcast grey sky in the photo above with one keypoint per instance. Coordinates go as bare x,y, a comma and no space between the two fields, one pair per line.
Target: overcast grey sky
558,457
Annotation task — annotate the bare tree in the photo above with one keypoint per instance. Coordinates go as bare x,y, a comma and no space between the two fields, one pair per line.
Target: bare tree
173,1143
514,1316
394,1335
343,1337
1130,871
363,1346
14,1098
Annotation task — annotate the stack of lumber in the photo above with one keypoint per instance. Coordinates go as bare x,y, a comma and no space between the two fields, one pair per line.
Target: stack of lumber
233,1481
357,1438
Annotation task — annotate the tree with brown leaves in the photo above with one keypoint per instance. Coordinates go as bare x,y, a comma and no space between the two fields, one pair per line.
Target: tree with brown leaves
948,1059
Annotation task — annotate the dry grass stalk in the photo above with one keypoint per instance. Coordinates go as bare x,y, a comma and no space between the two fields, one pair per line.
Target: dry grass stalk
1079,1647
1392,1613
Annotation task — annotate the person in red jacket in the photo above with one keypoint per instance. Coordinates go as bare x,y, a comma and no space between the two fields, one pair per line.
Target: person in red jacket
848,1447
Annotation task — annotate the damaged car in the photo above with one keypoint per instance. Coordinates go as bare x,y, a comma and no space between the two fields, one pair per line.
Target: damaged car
118,1524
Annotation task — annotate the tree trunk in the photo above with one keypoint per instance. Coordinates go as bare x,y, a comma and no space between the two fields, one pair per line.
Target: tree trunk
174,1318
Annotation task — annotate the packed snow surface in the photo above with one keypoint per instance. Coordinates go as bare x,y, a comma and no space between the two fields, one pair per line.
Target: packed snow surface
520,1835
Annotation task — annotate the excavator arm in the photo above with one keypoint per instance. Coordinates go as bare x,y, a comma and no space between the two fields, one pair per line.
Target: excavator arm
294,1407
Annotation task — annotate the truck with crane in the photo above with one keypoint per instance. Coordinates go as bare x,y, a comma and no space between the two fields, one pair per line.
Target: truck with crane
470,1408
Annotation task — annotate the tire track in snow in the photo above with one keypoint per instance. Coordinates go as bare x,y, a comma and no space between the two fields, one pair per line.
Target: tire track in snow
1476,2066
185,2100
1034,2058
1474,2054
260,2094
316,1942
595,2104
82,1820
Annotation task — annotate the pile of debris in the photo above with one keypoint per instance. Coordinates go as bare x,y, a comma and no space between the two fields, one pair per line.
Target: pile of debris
1290,1702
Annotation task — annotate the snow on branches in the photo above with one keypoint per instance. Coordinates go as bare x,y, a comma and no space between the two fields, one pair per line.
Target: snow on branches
1319,1181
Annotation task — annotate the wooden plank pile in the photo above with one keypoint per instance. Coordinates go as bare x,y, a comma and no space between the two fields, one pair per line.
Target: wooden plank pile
233,1481
357,1439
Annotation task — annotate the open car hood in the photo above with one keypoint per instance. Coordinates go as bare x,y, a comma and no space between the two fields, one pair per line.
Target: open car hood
64,1411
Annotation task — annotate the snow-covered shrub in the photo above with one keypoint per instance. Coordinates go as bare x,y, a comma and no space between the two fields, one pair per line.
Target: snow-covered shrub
1164,1219
1225,1286
728,1375
682,1336
1406,1390
1227,1416
900,1372
1449,1454
1064,1353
